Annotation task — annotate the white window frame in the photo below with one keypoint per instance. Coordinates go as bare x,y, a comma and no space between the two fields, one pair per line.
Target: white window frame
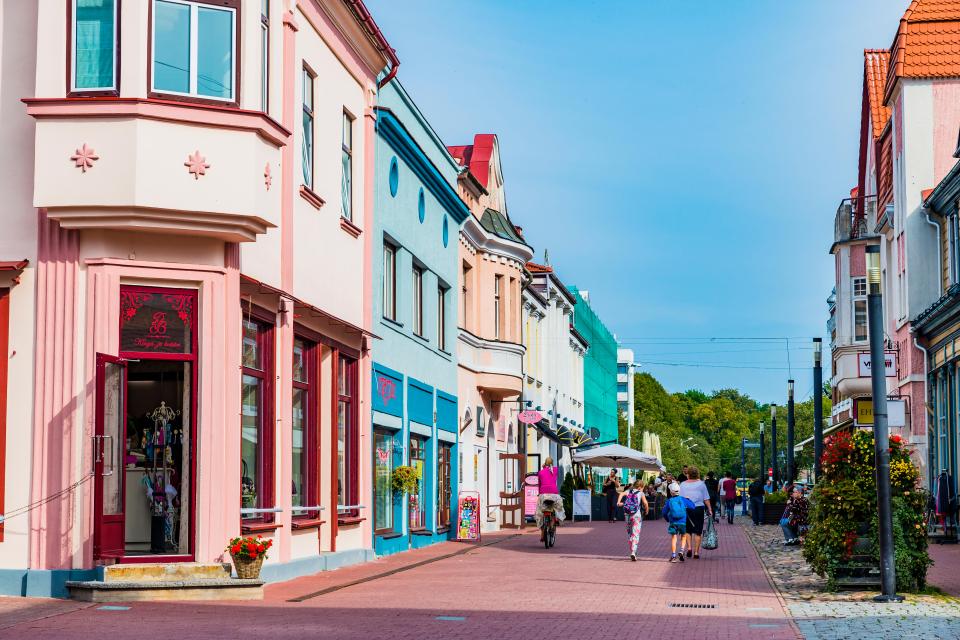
194,26
346,147
265,56
390,282
73,51
496,305
854,299
417,298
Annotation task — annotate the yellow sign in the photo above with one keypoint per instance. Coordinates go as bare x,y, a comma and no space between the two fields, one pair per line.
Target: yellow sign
864,413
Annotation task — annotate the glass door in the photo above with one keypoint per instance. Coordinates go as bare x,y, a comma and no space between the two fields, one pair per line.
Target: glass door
108,443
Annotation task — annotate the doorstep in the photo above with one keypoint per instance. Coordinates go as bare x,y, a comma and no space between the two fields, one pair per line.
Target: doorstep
161,581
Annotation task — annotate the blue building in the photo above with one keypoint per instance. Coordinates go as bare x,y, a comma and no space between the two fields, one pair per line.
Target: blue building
415,262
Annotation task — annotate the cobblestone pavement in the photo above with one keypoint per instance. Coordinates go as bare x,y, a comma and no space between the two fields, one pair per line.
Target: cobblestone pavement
585,587
834,616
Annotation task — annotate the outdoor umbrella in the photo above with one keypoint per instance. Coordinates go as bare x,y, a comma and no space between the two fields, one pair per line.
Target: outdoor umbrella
617,455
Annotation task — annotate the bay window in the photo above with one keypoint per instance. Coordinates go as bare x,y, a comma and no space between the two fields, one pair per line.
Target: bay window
195,49
93,36
256,417
859,287
304,463
347,440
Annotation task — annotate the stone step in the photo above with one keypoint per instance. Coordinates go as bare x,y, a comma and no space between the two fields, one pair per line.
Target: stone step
856,583
165,572
134,591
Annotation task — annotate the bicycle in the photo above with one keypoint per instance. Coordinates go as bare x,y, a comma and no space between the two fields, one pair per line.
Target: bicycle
549,523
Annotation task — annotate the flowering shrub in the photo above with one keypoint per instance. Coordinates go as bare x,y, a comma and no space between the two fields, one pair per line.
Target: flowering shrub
845,510
405,479
249,548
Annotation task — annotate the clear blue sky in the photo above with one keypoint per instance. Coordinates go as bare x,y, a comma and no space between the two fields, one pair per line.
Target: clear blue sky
681,160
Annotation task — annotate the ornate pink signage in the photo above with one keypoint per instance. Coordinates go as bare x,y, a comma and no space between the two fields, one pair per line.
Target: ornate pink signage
530,416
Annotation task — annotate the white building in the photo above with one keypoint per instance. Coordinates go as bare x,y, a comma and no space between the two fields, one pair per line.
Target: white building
625,368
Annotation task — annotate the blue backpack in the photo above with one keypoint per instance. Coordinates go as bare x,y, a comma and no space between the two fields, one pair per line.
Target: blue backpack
631,504
676,510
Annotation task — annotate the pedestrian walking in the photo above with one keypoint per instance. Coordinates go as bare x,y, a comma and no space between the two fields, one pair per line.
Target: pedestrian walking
611,488
756,493
696,492
728,491
675,513
683,475
713,488
635,507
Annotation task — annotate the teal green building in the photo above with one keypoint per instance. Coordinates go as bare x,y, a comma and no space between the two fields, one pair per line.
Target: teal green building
599,370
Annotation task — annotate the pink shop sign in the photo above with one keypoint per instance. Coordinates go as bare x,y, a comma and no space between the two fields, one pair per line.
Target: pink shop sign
531,492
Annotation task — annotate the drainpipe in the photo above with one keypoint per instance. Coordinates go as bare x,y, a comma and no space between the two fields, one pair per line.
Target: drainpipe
363,16
926,381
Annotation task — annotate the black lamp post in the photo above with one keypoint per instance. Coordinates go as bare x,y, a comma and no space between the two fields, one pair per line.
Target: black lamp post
773,446
817,407
763,466
878,380
791,471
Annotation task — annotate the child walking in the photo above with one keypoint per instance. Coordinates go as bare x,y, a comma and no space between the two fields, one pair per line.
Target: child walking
675,513
635,506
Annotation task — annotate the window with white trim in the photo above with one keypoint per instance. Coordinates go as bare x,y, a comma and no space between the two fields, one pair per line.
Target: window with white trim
93,32
389,281
442,317
417,300
859,290
194,48
307,147
264,55
346,172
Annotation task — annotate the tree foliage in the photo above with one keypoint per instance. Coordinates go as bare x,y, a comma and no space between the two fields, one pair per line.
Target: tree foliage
706,429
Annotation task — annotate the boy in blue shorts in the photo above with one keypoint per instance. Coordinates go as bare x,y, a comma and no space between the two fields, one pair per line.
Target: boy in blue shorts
675,513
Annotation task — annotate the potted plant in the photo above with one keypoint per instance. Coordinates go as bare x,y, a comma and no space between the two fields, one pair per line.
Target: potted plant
248,555
773,506
406,479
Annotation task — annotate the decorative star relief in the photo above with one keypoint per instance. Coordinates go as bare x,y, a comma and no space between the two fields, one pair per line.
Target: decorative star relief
267,177
196,164
84,158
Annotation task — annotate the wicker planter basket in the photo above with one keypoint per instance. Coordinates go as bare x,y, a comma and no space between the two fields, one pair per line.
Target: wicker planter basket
247,569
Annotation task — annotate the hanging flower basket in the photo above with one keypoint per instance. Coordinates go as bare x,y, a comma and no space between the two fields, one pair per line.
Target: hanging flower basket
405,479
248,555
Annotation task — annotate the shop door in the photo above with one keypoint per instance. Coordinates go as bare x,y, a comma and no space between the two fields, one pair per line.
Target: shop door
108,444
511,497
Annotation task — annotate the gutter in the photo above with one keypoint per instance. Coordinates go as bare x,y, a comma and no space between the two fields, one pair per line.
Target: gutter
366,20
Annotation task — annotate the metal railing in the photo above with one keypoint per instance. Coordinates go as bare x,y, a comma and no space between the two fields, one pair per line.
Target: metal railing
854,217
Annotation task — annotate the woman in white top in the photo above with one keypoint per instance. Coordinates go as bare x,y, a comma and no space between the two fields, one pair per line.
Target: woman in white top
696,491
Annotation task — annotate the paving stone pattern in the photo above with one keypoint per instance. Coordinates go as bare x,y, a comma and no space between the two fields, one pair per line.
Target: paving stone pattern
820,615
585,587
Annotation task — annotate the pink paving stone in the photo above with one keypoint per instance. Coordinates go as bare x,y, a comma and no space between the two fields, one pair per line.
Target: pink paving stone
945,572
585,587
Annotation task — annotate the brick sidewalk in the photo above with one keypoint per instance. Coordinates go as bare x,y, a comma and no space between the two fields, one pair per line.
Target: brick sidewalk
945,572
585,587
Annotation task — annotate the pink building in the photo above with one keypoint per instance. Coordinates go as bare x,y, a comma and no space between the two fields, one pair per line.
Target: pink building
490,347
184,296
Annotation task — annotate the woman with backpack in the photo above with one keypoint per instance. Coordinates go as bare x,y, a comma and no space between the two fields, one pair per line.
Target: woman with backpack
635,506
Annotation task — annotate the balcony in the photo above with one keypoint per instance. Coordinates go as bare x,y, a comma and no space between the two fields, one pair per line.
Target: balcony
498,365
157,166
853,216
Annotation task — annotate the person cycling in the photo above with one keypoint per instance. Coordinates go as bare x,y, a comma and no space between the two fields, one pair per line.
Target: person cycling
548,477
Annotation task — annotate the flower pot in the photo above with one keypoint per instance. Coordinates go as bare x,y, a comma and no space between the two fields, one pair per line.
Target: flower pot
247,568
772,513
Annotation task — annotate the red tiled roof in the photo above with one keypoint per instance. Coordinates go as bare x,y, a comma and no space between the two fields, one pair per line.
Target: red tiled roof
927,44
533,267
476,156
875,63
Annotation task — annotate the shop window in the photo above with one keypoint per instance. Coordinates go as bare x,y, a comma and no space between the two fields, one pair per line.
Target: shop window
444,459
194,49
346,173
94,51
382,474
347,459
418,500
256,422
305,463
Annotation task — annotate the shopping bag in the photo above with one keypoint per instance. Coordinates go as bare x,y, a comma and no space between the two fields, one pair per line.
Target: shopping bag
710,536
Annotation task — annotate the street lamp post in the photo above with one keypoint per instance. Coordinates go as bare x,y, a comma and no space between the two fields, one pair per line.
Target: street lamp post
763,467
817,407
791,472
773,446
878,380
743,473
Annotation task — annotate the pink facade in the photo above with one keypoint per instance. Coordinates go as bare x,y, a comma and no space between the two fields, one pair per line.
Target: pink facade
133,191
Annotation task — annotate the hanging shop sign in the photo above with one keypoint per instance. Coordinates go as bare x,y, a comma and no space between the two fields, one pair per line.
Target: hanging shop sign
889,364
468,516
156,320
896,412
530,416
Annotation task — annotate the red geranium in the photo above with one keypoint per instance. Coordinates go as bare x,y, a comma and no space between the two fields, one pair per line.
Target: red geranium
249,548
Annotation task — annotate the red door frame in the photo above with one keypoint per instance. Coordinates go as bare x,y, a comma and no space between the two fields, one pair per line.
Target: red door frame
192,358
105,527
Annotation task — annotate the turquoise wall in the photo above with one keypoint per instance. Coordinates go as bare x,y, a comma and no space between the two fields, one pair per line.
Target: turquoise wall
599,371
416,209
